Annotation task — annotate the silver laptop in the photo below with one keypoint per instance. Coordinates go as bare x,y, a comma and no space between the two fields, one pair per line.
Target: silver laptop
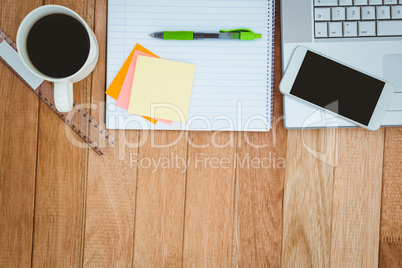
366,34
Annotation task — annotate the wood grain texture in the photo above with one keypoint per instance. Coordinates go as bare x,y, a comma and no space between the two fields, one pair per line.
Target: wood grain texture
110,210
208,227
311,157
61,178
18,139
259,190
111,187
259,194
357,199
390,255
391,212
160,199
208,216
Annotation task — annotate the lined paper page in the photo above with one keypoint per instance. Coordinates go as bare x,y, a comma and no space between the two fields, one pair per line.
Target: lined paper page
232,84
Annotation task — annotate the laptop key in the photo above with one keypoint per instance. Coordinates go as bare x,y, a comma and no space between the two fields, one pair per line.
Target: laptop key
350,29
322,14
321,29
338,13
353,13
383,13
396,12
346,2
389,28
325,3
368,13
360,2
375,2
335,29
367,28
390,2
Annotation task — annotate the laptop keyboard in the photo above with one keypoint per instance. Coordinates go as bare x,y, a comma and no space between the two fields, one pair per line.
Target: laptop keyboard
357,18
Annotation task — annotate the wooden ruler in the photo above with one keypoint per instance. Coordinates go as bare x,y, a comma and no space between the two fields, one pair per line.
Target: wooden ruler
79,120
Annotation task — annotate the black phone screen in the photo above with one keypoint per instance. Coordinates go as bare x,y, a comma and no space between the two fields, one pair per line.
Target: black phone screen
337,88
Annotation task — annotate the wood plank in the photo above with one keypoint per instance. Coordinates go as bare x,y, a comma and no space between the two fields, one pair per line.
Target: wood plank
311,157
259,196
208,230
159,215
391,212
357,199
390,255
61,178
259,190
110,210
111,187
18,139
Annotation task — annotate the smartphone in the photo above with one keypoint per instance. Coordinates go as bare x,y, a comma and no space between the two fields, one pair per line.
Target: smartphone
340,89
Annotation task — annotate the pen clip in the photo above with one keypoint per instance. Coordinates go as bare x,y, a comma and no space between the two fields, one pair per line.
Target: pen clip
236,30
245,34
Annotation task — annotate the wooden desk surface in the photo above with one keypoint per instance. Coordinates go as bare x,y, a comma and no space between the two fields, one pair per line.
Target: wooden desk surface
318,199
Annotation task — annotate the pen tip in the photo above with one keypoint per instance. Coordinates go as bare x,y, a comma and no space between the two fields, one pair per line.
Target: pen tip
151,35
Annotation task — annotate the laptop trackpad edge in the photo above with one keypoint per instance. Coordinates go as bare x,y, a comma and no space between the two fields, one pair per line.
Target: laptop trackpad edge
393,74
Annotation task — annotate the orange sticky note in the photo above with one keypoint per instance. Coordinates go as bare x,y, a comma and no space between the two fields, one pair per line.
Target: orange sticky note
117,84
153,121
115,87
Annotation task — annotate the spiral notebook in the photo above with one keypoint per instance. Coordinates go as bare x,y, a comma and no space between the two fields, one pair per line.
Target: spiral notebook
232,89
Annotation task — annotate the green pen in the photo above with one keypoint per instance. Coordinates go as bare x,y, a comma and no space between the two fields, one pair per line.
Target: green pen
236,34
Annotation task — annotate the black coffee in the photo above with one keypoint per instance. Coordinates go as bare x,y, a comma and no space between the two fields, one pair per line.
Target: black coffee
58,45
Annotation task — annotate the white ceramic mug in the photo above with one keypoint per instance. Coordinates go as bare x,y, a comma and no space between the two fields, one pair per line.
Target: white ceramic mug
63,87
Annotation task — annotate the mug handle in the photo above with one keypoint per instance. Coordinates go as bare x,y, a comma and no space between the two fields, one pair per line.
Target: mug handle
63,96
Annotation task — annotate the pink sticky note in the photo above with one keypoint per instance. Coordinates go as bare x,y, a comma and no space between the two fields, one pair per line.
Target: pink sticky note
125,93
124,97
164,121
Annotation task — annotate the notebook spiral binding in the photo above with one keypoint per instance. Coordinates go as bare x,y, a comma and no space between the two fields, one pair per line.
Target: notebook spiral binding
270,53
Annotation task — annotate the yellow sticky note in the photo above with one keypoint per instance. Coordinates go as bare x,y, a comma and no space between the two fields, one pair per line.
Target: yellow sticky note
162,89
